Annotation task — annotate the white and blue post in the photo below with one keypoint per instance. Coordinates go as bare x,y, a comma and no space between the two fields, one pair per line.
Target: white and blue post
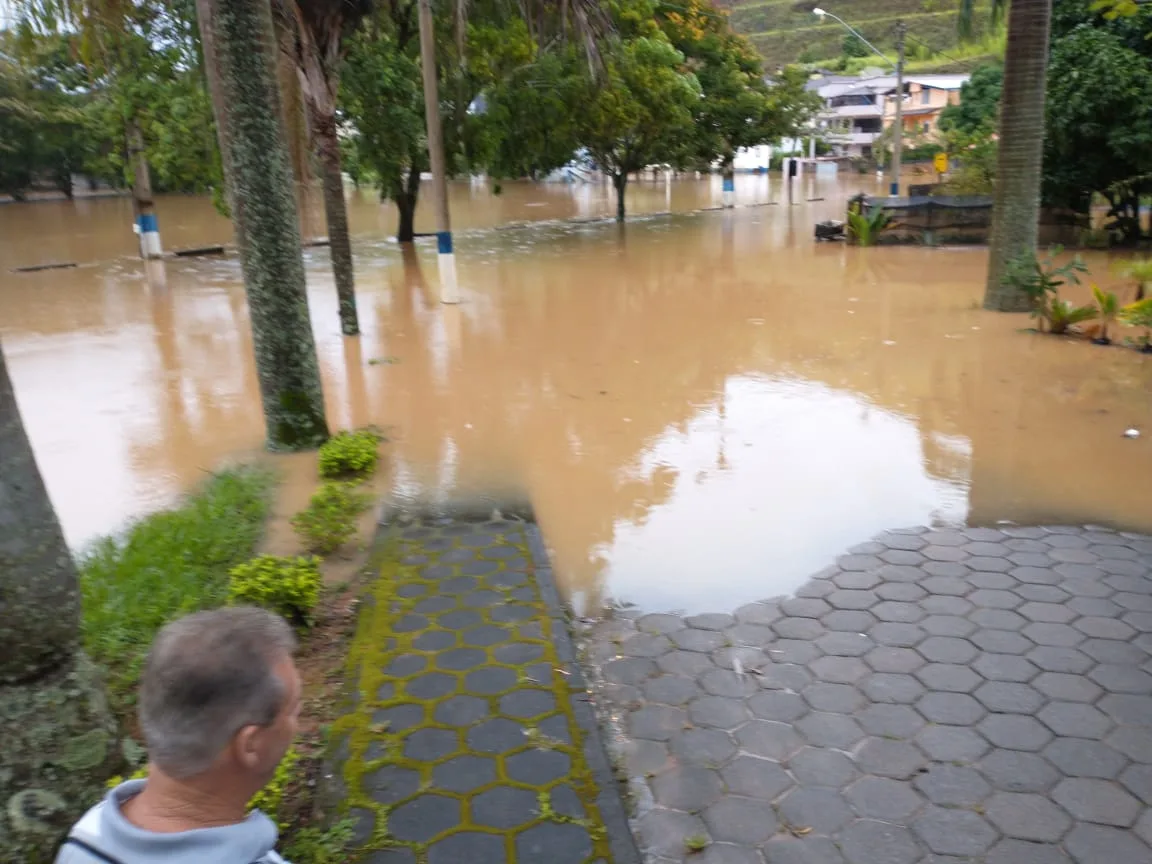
148,228
729,187
449,291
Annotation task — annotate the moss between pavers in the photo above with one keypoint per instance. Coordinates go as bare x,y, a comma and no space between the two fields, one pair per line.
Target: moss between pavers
388,630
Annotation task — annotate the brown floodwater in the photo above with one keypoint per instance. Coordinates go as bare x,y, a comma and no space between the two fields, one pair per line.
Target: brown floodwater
703,409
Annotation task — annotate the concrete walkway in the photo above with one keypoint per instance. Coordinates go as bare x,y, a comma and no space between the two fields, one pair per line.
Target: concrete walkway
471,738
944,696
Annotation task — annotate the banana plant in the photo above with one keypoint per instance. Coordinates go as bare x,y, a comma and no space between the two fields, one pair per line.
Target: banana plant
1062,315
1139,314
864,227
1107,310
1139,270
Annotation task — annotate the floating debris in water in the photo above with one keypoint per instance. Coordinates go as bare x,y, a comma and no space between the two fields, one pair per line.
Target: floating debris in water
889,342
1132,433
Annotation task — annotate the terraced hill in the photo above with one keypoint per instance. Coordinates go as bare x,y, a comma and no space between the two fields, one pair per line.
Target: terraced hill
786,31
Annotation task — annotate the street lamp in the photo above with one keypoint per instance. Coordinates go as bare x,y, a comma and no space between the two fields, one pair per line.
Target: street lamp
898,66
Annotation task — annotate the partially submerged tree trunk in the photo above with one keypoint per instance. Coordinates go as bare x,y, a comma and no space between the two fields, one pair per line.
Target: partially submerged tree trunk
59,739
295,123
406,195
247,108
620,182
1016,210
319,28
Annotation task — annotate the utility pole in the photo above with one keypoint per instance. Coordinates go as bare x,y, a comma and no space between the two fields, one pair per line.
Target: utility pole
147,227
446,257
898,132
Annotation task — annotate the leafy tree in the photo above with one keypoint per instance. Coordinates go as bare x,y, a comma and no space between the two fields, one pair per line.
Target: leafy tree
59,737
640,112
853,46
1099,127
979,102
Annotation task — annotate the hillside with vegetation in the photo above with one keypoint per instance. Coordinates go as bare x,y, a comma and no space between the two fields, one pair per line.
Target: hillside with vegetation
787,31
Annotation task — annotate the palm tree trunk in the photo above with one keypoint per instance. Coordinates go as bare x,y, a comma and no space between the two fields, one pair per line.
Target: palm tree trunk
327,144
247,107
1016,211
59,738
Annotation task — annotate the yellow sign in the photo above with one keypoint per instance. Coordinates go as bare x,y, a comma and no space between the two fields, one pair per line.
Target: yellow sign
941,162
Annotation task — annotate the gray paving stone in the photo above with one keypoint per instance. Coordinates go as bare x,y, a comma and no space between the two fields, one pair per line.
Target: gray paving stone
391,783
733,819
752,635
1052,594
793,651
890,721
537,767
799,628
642,758
664,832
710,621
494,680
688,787
777,705
756,777
659,623
706,746
639,645
1069,688
1077,757
784,676
1075,719
688,663
504,807
952,786
894,659
1137,779
899,760
1005,667
703,641
810,849
898,611
892,688
954,832
424,817
825,729
945,649
813,766
1111,651
867,841
859,577
656,722
430,745
464,773
727,853
1026,852
954,709
758,613
804,607
849,621
673,689
822,809
838,670
527,703
1126,708
949,677
956,744
559,842
884,798
941,604
1014,771
718,712
1060,659
725,682
1014,732
1121,679
845,644
1009,698
1027,816
1099,801
1000,641
1135,742
769,739
1093,844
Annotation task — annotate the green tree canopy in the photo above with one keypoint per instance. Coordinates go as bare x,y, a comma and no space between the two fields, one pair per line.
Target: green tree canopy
979,102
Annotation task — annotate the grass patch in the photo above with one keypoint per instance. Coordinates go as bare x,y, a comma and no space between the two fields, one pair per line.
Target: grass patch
167,565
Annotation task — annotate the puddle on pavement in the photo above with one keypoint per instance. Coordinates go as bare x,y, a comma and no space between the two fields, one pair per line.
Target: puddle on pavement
703,409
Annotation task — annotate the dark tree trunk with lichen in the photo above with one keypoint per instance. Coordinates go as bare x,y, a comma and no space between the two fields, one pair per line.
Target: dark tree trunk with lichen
247,107
406,195
620,182
336,213
57,737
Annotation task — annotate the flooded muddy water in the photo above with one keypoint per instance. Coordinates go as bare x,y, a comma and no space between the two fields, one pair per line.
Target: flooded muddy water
703,409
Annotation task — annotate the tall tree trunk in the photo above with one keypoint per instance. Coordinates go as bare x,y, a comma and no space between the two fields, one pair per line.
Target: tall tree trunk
295,121
620,181
407,195
247,108
1016,211
58,735
142,202
327,146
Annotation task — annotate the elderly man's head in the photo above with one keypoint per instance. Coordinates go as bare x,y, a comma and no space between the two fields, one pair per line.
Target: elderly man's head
221,695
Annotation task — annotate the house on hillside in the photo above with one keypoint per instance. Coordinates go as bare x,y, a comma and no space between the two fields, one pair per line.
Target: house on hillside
857,109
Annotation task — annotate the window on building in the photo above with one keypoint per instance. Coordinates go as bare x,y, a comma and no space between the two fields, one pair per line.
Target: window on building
925,95
926,127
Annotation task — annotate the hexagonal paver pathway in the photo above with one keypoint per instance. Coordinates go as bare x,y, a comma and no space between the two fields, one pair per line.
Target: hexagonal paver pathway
471,736
979,695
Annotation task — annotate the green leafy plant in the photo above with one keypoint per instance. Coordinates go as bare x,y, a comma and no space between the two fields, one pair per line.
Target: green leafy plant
330,517
350,452
1062,315
864,227
289,586
321,845
1139,270
696,843
1139,314
1108,310
268,799
1040,280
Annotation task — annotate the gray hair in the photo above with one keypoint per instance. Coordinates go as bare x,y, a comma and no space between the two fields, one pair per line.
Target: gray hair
209,675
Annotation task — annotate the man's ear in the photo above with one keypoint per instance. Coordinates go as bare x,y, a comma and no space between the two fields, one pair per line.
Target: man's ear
246,747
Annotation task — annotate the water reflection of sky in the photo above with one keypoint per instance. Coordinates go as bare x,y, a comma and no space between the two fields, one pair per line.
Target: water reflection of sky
760,491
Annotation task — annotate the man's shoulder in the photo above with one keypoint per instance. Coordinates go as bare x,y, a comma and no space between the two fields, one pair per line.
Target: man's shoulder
85,830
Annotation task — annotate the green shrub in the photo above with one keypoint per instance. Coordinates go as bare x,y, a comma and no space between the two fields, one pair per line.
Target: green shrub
350,452
167,565
268,799
330,518
289,586
320,845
